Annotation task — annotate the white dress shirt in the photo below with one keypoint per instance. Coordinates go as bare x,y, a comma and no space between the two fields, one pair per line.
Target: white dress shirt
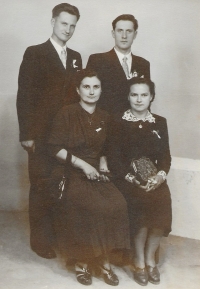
57,47
129,60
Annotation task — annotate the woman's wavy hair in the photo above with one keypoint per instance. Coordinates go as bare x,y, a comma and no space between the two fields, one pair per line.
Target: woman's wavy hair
147,81
85,73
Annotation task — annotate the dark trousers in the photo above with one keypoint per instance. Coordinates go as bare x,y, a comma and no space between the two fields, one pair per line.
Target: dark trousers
42,235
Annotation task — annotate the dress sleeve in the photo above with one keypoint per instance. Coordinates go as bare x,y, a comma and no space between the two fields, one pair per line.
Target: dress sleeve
164,159
59,134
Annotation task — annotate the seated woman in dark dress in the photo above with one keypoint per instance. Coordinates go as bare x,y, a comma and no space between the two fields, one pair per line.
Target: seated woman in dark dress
95,217
140,135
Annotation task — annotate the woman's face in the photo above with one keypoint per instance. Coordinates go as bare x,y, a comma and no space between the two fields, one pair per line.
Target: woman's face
139,97
90,90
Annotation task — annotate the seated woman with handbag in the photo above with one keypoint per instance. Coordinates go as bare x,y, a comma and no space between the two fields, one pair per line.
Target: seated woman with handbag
93,213
140,160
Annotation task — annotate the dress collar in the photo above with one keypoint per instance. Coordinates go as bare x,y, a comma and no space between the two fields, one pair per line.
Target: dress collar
129,116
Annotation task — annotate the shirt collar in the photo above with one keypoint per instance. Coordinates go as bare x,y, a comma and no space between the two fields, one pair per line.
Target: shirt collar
57,47
129,116
121,55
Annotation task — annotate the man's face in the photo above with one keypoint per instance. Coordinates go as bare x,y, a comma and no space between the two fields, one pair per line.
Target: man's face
63,27
124,34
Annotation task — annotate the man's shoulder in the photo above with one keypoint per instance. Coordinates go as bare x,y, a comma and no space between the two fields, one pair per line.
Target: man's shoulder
73,52
139,59
38,48
102,55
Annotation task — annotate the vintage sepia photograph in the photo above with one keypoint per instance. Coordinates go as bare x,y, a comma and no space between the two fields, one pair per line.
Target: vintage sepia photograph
99,144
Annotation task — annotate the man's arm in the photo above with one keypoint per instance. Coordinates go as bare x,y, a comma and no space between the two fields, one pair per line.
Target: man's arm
26,96
93,62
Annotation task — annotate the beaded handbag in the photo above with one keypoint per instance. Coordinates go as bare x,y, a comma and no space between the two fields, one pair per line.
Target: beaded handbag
142,169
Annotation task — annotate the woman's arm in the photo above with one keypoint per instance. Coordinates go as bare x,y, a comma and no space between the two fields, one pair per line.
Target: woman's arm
90,172
164,158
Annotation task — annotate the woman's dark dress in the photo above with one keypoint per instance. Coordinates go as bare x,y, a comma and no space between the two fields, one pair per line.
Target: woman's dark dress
128,141
95,218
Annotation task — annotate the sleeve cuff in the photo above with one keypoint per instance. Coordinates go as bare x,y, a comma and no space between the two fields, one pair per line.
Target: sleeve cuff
163,174
129,177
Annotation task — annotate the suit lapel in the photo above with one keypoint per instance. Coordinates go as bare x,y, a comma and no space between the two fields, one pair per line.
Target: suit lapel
69,59
136,67
115,63
53,56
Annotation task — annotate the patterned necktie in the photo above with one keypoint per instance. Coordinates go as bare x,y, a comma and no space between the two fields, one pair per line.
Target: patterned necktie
125,66
63,57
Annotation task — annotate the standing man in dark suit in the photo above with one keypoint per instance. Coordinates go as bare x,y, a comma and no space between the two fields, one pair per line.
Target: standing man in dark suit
45,78
118,65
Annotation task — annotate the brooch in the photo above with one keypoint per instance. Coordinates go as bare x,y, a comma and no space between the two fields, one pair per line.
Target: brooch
156,132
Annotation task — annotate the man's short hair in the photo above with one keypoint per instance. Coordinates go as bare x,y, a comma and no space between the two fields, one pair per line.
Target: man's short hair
65,7
126,17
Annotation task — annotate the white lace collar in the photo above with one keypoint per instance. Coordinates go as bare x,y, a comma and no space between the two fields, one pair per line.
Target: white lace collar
129,116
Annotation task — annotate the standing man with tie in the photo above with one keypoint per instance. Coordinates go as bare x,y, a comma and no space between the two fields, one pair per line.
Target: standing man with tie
118,65
45,79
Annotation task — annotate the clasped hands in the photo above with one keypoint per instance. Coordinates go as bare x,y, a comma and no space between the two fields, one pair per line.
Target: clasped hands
153,183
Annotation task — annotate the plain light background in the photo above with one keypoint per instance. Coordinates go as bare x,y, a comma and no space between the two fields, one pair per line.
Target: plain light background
167,36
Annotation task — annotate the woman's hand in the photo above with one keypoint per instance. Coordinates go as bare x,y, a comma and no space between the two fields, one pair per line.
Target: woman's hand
103,168
153,183
90,172
132,179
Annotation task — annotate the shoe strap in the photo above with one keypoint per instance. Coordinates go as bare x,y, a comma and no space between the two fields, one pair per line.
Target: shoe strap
82,269
108,271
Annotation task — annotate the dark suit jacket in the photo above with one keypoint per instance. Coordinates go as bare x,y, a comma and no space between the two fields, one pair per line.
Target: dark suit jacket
115,89
44,87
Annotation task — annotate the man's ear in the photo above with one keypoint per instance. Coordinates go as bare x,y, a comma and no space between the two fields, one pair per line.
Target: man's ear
113,33
135,35
52,22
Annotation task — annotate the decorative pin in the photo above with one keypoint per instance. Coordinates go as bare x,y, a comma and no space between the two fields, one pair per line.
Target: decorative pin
156,132
98,129
135,74
140,126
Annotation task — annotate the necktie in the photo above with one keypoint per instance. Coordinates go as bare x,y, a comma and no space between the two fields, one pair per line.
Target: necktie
125,66
63,57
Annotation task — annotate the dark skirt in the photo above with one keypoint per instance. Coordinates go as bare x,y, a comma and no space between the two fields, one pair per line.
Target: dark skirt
151,210
92,219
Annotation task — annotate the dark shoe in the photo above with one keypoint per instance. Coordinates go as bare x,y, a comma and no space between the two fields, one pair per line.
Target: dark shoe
154,275
109,276
47,254
83,275
140,276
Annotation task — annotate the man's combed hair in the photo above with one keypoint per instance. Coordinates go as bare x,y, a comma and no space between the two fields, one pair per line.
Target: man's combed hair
65,7
126,17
